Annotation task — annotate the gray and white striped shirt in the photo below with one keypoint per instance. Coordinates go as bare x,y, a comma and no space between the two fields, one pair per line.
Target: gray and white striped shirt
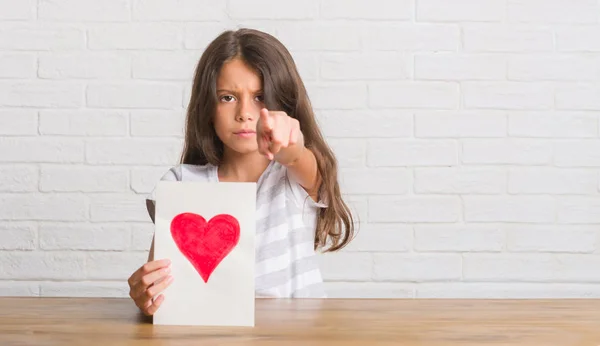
286,264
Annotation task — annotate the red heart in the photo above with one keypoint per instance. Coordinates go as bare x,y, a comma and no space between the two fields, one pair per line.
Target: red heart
205,244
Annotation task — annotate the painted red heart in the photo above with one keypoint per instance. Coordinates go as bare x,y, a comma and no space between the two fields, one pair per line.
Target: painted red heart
205,244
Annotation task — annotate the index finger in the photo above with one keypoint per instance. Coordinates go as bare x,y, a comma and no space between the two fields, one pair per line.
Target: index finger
266,119
148,268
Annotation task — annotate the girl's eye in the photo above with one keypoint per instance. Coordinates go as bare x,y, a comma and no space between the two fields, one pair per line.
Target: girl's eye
259,98
227,98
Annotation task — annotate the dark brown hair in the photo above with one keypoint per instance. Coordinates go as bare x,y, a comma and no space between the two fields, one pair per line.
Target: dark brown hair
283,90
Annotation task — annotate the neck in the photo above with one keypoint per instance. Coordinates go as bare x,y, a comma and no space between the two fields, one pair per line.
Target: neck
242,167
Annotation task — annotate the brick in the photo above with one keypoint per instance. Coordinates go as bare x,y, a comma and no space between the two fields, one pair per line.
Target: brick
41,94
577,153
411,37
414,209
40,36
349,152
158,123
307,36
372,66
41,150
579,210
199,35
18,236
378,181
551,180
459,67
561,124
59,236
557,11
416,267
134,36
118,208
134,95
84,10
184,10
411,153
83,179
382,238
307,65
55,207
577,39
368,290
347,266
506,151
108,289
457,238
144,179
113,265
17,122
518,38
456,124
508,95
151,65
442,95
377,9
578,97
17,65
551,238
141,236
460,180
42,265
84,123
532,209
272,9
552,68
512,290
19,178
17,10
352,124
337,96
133,151
19,289
84,66
462,10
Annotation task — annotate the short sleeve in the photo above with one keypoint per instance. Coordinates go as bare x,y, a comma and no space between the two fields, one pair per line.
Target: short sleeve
173,174
300,195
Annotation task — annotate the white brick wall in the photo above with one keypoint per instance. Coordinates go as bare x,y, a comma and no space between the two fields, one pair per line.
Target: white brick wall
467,134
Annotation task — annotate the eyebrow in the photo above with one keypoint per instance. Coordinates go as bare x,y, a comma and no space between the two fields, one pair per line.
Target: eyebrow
233,92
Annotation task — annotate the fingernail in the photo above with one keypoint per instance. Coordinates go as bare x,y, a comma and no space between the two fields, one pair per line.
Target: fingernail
167,270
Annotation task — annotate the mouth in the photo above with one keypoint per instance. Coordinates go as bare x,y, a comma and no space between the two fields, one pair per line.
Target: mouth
245,133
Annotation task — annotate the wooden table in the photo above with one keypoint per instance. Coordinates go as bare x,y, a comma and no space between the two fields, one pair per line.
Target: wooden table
85,321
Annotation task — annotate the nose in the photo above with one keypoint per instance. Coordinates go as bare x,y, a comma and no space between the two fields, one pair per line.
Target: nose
245,111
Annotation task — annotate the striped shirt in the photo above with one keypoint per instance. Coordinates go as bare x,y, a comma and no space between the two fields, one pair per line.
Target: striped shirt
286,264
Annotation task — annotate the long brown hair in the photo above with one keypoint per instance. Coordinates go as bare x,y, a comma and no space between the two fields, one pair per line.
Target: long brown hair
284,91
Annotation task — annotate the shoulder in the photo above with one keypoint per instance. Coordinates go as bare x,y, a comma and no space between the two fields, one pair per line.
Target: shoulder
185,172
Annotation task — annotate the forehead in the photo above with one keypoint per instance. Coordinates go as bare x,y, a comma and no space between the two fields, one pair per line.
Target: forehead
237,75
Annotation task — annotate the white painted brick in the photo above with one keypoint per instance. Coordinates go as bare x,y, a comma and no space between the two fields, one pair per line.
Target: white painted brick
556,11
307,65
165,65
579,210
359,207
84,10
17,65
41,150
144,179
578,38
551,238
41,94
353,124
557,67
83,123
141,236
506,151
411,37
134,95
460,124
18,236
60,236
158,123
382,238
459,238
17,10
17,122
432,209
19,178
373,66
41,36
533,209
562,124
378,181
532,268
416,267
551,180
19,289
135,36
347,266
460,180
182,10
42,265
452,66
337,96
83,179
118,207
368,290
304,36
84,66
461,10
133,151
199,35
359,9
516,290
414,95
55,207
109,289
411,153
349,152
113,265
508,95
272,9
577,153
507,38
578,97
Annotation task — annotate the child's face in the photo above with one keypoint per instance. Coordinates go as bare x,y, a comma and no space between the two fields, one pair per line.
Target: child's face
240,99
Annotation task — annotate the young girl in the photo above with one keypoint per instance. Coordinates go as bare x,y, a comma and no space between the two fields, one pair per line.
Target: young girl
250,120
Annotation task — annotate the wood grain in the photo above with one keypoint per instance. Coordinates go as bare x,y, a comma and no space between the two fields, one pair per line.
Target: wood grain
88,321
